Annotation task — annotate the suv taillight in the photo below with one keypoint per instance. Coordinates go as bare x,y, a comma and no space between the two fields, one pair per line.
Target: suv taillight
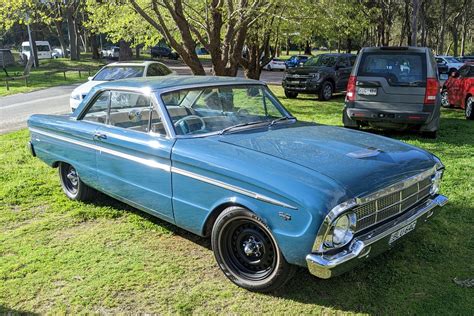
432,89
351,89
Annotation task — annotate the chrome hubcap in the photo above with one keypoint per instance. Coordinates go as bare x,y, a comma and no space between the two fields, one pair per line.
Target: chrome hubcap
444,99
72,176
327,91
469,107
252,247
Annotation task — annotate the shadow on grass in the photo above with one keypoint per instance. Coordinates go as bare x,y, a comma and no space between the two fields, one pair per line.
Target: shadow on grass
4,310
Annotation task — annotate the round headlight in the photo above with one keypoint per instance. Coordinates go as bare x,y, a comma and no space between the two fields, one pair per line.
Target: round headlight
342,231
436,182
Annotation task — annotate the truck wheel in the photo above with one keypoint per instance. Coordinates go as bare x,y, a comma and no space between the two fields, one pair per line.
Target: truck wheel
72,185
247,253
326,91
469,109
444,99
290,94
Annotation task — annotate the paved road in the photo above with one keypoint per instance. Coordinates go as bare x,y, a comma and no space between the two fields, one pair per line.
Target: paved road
15,109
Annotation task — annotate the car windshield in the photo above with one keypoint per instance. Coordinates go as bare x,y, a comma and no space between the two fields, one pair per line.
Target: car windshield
322,61
451,60
119,72
222,109
399,69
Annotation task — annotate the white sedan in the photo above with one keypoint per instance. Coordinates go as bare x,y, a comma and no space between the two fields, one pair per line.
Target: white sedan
115,71
275,64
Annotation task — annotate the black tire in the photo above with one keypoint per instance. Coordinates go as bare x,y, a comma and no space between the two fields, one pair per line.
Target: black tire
291,94
247,253
444,99
72,185
469,108
326,91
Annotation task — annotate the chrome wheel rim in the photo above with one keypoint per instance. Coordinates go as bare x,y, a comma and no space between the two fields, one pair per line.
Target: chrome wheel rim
444,99
71,179
469,107
327,92
248,250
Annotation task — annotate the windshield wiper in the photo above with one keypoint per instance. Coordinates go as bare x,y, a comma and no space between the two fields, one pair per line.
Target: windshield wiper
225,130
284,118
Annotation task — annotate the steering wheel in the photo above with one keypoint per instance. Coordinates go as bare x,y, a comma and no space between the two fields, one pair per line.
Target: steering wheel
185,120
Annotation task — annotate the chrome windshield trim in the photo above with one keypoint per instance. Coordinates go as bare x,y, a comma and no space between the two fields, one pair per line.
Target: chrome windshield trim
165,167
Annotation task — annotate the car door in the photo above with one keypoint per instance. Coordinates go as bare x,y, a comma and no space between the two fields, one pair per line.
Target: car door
133,161
343,71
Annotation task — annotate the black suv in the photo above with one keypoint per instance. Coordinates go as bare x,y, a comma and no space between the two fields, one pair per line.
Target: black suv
322,75
161,51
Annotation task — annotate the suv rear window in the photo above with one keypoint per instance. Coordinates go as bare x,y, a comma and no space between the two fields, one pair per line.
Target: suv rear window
399,69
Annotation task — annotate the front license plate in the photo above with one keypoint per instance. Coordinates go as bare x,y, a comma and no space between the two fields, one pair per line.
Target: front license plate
367,91
402,232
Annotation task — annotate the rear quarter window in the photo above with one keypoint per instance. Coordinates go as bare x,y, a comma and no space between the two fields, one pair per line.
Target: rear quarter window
397,68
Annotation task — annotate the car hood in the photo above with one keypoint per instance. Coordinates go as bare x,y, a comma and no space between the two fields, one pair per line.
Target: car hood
361,162
86,87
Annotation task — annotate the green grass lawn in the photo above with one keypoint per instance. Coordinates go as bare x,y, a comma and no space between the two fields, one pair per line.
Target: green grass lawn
61,256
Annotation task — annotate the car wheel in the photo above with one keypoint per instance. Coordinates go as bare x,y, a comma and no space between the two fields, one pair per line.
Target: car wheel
247,253
269,68
444,99
290,94
325,93
72,185
469,109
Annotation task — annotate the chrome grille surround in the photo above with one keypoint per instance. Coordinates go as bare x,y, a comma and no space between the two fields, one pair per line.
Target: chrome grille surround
404,194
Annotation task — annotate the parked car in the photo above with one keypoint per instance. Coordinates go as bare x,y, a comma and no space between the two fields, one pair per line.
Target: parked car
458,90
443,71
466,58
43,48
111,52
275,64
115,71
296,61
221,157
394,88
323,75
161,51
450,61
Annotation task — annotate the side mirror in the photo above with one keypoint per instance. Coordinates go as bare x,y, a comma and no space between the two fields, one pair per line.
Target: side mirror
90,78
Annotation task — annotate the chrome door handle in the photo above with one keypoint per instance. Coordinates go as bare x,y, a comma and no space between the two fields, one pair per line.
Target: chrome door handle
99,135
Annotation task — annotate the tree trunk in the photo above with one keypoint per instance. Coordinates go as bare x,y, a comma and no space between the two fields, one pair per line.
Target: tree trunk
125,52
414,22
59,31
440,47
349,45
94,46
137,51
287,44
72,32
307,48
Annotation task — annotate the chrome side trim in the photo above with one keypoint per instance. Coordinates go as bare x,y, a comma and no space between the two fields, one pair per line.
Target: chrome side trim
231,187
146,162
167,168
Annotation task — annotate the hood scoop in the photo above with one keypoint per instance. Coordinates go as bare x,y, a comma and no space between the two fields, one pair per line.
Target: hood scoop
364,153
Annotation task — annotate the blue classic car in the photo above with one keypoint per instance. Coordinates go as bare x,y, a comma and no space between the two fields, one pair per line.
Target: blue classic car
221,157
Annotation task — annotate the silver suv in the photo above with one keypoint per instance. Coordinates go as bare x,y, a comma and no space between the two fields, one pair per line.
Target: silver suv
394,88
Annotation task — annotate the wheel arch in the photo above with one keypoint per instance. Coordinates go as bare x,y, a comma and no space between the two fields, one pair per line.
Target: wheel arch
217,210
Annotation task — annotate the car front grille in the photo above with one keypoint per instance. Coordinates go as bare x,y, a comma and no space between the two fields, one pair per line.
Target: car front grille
392,204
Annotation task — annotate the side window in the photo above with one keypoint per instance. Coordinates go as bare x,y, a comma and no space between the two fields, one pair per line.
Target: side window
133,111
343,62
98,111
464,71
153,70
164,70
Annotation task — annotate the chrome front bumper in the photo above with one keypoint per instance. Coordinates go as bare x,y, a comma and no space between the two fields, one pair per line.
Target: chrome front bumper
372,243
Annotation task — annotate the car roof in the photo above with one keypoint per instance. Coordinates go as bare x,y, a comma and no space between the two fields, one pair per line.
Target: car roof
395,49
133,63
174,81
